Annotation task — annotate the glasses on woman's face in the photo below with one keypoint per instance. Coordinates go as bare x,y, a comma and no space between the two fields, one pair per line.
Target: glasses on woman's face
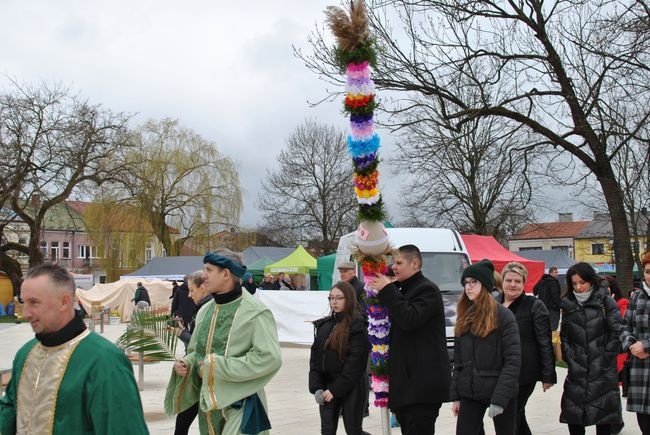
335,298
470,282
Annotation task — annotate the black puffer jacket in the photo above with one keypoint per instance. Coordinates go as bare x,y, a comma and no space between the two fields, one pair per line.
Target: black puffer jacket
590,343
487,369
329,372
537,358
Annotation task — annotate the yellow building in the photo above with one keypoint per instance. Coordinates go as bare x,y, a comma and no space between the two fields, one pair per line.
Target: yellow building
595,243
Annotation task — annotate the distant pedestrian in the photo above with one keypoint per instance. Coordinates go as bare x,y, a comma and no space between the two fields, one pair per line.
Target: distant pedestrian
248,283
548,291
337,366
141,298
267,283
183,306
348,273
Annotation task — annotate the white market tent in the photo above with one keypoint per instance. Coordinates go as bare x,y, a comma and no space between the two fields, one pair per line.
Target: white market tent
117,295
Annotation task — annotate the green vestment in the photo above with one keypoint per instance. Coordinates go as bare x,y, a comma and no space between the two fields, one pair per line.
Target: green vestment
83,386
234,352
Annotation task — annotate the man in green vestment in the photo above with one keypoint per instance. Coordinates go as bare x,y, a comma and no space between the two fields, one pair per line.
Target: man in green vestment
233,353
67,380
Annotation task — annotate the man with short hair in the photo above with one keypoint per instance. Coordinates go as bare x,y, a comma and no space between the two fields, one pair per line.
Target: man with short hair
141,296
67,380
348,273
419,369
548,291
233,353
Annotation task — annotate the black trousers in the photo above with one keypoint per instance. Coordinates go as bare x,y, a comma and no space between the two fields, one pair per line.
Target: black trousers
470,418
644,423
418,419
521,425
351,407
601,429
185,418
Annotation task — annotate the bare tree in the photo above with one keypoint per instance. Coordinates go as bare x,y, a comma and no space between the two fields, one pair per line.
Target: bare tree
474,179
179,181
555,68
310,195
52,144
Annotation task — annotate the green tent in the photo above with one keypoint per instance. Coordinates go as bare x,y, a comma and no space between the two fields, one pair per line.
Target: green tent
299,261
257,268
325,270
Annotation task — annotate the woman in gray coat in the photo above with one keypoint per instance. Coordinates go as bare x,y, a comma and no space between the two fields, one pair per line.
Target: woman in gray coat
635,337
590,327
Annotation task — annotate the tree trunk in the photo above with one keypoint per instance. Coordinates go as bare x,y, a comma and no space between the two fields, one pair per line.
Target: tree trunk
621,231
34,247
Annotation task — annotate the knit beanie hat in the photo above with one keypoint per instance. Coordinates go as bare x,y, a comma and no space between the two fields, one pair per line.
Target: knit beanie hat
482,271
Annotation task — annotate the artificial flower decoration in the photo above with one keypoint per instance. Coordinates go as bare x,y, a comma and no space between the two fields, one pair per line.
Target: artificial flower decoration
355,54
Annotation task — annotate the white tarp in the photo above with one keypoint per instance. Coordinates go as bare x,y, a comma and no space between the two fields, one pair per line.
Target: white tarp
117,295
294,312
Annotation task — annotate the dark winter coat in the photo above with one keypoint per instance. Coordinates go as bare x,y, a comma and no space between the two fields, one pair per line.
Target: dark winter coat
141,294
549,292
329,372
590,344
186,334
359,290
537,357
636,327
487,369
182,305
250,286
419,367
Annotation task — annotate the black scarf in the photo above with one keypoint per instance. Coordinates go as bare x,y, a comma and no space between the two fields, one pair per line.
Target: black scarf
224,298
74,327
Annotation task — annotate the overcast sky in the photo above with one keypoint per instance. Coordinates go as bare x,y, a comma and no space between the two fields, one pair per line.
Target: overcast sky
224,69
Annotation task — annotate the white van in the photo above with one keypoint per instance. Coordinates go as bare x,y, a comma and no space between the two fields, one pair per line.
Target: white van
444,257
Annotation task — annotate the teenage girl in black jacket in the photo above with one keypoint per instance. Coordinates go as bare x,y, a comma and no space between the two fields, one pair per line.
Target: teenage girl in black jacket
487,356
338,361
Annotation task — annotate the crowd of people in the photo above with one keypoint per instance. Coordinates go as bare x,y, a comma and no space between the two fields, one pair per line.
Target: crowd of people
502,349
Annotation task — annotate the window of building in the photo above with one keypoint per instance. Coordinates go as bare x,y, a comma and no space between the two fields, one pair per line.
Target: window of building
65,254
597,249
54,251
83,251
564,249
44,249
531,248
148,252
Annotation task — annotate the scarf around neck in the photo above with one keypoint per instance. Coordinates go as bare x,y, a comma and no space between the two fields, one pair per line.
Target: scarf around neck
581,298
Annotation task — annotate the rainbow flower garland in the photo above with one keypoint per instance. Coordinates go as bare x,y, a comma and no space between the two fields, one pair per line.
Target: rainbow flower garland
355,55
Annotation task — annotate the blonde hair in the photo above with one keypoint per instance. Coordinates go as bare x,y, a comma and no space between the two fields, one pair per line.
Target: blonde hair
498,282
515,267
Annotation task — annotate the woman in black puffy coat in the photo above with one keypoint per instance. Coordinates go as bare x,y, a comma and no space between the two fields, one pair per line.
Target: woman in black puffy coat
338,362
589,333
537,358
487,356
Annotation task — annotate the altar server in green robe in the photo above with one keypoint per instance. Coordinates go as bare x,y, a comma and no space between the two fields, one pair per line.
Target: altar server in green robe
67,380
234,352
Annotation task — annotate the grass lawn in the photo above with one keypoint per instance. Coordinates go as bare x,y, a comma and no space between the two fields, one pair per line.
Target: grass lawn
7,319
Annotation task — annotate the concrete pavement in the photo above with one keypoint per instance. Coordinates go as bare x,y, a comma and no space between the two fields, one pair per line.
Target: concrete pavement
292,409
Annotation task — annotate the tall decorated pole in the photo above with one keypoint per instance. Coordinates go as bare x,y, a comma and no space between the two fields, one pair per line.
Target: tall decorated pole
355,54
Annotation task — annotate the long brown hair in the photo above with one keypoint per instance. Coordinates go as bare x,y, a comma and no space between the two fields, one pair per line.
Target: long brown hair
339,339
478,317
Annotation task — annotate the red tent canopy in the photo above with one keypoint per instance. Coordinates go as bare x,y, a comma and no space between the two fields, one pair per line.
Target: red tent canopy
481,247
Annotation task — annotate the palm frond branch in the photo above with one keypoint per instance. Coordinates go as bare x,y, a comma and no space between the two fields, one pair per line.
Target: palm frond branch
149,333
